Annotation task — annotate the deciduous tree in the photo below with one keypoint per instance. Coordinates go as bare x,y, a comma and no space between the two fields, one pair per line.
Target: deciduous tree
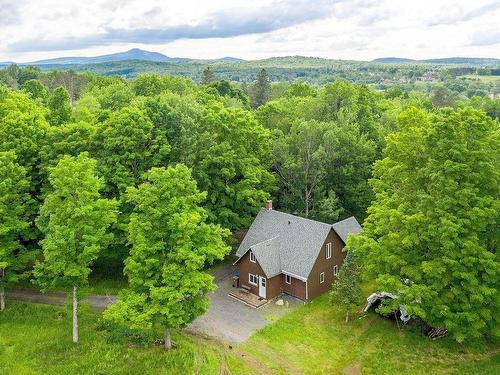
59,106
432,232
14,220
171,246
74,219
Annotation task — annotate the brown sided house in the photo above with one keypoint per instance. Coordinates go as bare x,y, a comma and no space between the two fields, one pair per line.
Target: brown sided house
291,254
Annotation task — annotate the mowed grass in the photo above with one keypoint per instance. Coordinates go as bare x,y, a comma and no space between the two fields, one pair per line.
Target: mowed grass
485,79
314,340
36,339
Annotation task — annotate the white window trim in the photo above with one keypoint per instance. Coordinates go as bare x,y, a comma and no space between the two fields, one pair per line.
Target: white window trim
328,250
288,279
250,277
253,259
335,270
321,277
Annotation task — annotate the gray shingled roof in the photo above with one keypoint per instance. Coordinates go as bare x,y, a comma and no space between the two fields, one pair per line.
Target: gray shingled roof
347,226
287,243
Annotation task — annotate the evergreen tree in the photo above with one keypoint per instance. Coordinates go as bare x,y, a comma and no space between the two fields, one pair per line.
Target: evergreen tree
171,246
74,219
261,89
208,76
14,220
346,289
432,232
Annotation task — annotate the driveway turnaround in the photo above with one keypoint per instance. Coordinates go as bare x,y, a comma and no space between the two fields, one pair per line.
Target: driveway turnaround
231,320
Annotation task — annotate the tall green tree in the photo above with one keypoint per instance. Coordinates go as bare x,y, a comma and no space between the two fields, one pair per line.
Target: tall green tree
431,236
36,90
171,246
346,289
59,106
126,146
301,163
208,76
14,220
232,162
22,130
74,219
261,89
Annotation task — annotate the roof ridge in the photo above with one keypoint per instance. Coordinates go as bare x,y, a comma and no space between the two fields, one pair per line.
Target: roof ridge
296,216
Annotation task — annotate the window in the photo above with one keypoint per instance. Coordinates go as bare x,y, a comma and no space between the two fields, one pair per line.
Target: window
288,279
335,270
253,279
252,257
328,250
321,277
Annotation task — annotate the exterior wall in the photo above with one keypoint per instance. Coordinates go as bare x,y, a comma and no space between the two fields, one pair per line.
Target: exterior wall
245,267
314,287
297,288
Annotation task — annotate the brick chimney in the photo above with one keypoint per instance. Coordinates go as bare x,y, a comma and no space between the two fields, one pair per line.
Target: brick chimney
269,204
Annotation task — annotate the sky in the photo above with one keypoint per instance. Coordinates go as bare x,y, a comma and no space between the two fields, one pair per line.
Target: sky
251,29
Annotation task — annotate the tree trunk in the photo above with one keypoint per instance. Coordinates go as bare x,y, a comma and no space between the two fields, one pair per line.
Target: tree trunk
347,316
2,299
306,201
2,291
167,338
75,316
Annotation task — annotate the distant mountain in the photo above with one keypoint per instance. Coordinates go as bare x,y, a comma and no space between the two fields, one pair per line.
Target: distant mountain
133,54
393,60
229,59
446,60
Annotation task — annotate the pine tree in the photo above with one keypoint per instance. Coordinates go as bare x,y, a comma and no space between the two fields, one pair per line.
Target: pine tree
208,76
261,89
346,290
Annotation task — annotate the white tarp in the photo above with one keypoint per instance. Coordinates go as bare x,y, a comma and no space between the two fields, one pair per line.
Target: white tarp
377,296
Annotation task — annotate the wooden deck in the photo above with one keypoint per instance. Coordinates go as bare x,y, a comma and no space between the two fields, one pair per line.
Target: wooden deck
248,298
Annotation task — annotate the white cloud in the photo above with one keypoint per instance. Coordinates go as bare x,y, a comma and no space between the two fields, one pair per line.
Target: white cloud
355,29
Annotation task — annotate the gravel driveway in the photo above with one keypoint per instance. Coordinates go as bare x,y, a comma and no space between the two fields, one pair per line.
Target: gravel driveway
232,320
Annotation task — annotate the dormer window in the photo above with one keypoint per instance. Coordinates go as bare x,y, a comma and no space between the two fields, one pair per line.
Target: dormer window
328,250
252,257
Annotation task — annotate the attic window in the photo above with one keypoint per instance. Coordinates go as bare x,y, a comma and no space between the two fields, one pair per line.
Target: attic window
288,279
328,250
252,257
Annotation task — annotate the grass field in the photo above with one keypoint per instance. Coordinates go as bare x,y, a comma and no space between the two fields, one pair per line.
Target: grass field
36,339
314,340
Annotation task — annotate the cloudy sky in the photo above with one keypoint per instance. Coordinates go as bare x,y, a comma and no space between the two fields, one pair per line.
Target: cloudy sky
250,29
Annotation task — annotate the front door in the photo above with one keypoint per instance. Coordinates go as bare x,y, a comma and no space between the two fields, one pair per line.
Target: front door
262,287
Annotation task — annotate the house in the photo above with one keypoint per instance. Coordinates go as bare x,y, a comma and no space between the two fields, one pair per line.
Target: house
287,253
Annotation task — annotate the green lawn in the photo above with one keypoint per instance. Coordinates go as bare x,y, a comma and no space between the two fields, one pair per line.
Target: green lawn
314,340
36,339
